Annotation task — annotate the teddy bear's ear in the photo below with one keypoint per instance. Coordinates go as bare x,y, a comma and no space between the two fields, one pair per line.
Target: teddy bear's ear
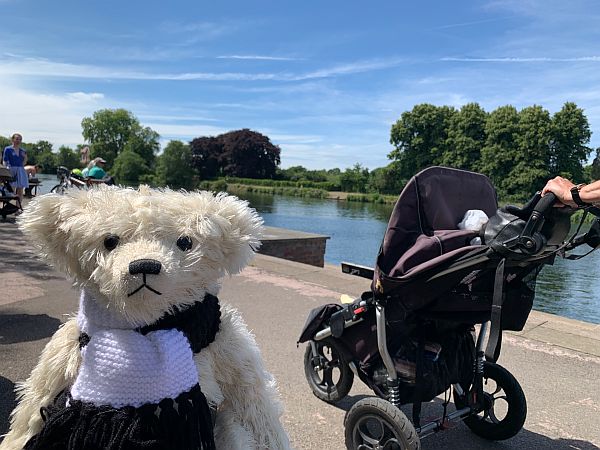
242,230
43,222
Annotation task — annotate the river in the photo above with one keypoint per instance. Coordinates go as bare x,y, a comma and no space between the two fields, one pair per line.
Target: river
568,288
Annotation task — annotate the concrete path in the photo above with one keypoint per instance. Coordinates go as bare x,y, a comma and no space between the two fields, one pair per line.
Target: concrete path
556,360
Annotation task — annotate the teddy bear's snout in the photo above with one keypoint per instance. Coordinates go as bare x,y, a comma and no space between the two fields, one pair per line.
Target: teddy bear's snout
145,266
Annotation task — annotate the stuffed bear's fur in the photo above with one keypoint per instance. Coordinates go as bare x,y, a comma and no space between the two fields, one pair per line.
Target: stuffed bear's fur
70,232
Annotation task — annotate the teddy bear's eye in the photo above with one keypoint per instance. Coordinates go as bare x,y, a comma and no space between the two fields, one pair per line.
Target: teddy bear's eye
111,241
184,243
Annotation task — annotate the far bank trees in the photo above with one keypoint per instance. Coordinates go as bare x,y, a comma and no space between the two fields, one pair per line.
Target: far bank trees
242,153
518,150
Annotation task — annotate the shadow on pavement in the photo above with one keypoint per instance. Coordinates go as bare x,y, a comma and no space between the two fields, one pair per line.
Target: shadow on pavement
26,327
7,403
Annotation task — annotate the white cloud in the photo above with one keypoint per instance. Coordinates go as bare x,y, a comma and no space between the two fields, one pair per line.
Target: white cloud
52,117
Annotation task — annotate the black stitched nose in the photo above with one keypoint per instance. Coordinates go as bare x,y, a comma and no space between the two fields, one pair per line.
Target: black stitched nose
146,266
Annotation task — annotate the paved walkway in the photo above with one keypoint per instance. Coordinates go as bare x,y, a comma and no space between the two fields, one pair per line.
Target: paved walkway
556,360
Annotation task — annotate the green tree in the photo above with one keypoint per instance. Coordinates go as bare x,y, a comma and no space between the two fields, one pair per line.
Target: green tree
173,167
571,133
466,138
386,180
129,167
531,165
355,179
420,137
67,157
500,150
109,131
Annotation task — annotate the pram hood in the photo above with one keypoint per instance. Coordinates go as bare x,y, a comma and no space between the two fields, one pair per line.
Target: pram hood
422,232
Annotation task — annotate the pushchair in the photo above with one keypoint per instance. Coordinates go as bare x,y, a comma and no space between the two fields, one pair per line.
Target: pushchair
412,336
67,179
9,201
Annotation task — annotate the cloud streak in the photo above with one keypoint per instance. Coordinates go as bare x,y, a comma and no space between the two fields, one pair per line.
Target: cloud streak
46,68
259,57
523,60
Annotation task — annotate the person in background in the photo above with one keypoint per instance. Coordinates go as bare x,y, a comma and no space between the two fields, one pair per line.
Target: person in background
96,173
32,170
573,195
14,157
85,154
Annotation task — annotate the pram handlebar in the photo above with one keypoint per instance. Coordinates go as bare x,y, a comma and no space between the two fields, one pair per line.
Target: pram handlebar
545,203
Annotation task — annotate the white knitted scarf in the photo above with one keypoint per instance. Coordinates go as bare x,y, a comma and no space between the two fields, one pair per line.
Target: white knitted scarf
121,367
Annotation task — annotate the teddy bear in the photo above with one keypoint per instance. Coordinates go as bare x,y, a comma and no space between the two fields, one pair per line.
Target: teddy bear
151,360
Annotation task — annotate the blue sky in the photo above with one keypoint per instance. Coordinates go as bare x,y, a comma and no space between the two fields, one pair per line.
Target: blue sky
325,80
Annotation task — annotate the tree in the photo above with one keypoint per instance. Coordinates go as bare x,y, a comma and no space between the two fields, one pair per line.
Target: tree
570,134
420,137
109,131
355,179
595,167
466,138
386,180
41,153
241,153
129,167
67,157
207,154
500,150
531,165
173,167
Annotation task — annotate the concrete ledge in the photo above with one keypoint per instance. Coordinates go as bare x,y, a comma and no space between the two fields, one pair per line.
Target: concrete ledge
298,246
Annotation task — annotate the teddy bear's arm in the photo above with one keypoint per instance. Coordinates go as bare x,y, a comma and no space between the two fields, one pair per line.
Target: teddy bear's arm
250,391
56,370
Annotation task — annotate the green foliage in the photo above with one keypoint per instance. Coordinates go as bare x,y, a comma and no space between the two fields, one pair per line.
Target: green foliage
112,131
420,137
129,167
518,150
173,167
67,157
355,179
466,137
571,133
41,153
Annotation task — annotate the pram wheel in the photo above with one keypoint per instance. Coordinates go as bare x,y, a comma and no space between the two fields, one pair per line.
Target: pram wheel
374,423
329,376
58,189
505,406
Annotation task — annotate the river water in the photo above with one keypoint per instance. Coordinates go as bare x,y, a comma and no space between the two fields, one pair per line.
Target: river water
568,288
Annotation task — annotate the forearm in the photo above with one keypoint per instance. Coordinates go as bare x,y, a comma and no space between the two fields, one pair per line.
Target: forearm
590,193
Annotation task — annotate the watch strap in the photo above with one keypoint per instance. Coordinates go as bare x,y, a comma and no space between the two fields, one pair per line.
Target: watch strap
576,197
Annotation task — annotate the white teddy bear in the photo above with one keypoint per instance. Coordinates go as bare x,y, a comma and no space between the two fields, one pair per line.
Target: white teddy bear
121,374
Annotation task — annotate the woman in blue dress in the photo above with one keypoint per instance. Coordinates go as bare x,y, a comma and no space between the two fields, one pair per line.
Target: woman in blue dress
14,157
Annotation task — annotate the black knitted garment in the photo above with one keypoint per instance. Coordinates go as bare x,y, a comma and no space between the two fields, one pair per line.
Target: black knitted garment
184,422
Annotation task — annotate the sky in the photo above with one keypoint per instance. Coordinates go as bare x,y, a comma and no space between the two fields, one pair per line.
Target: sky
324,80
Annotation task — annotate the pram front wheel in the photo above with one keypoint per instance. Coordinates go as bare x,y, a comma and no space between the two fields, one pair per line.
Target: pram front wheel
58,189
374,423
328,373
504,405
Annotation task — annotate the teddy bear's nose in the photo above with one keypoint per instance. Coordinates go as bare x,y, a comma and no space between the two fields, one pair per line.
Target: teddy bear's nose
146,266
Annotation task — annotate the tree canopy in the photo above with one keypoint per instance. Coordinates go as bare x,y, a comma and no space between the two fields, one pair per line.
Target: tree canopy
518,150
241,153
173,166
112,131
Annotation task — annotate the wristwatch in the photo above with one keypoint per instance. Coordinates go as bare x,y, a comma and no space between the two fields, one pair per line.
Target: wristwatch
576,197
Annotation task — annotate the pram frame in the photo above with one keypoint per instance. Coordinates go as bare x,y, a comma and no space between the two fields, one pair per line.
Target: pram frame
523,250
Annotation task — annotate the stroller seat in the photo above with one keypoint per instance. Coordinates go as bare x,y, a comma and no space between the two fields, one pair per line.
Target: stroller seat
423,233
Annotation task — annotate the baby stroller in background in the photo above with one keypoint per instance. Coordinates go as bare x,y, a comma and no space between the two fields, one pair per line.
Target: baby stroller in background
412,336
9,202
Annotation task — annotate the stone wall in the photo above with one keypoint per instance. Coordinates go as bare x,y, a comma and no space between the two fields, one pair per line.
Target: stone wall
293,245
